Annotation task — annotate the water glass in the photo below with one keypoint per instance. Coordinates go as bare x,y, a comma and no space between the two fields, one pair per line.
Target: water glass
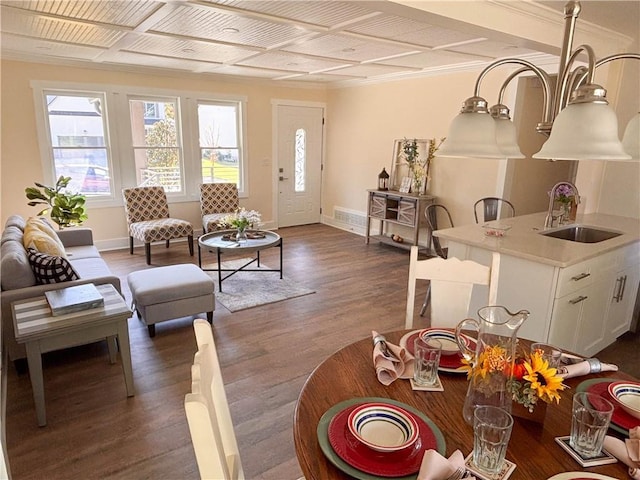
427,359
590,418
491,433
550,353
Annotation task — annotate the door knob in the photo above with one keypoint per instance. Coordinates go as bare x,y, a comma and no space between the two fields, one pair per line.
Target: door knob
283,178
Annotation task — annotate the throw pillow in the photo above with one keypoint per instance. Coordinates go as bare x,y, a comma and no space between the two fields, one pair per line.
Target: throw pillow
51,268
41,237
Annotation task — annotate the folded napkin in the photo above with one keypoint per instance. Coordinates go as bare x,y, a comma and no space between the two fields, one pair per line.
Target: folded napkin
435,467
628,452
391,364
590,365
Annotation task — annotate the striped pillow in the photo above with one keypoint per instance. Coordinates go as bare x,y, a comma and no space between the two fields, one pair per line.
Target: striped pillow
51,268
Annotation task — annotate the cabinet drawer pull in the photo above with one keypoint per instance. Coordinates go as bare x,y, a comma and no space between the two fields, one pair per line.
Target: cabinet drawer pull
623,284
580,277
579,299
617,296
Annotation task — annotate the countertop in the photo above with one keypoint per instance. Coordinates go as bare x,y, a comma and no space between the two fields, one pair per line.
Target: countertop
524,240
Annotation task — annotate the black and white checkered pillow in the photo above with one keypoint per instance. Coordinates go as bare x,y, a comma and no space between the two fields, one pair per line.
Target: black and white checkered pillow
50,269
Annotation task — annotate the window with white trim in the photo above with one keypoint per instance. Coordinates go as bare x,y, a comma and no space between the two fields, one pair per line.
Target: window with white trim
108,137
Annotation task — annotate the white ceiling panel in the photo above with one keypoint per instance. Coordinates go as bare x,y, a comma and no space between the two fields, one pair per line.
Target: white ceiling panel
492,49
129,58
370,70
195,50
247,71
36,26
14,44
213,25
290,63
436,58
348,48
125,13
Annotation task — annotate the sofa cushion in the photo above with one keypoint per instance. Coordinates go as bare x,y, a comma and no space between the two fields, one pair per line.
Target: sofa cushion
16,221
41,237
15,267
88,268
50,268
12,234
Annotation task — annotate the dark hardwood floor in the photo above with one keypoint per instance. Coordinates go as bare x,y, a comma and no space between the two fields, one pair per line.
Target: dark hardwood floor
266,353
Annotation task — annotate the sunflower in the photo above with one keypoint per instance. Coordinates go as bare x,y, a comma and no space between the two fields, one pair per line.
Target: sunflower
543,378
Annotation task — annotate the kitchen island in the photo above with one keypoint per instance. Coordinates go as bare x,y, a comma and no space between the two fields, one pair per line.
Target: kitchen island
581,295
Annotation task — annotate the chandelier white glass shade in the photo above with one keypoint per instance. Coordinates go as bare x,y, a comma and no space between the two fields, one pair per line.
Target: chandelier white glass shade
576,113
631,138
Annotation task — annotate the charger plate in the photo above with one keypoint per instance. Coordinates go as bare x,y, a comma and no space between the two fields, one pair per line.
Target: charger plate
448,363
621,421
338,462
580,476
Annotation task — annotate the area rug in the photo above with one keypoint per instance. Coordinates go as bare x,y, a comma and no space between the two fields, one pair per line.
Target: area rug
251,289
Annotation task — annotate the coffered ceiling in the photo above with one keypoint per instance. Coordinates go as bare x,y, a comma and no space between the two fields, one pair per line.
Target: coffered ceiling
320,41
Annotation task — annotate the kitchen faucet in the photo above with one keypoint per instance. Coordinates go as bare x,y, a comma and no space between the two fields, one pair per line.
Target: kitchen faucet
548,222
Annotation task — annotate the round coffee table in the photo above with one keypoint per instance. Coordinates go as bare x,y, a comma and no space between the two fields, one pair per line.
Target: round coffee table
222,242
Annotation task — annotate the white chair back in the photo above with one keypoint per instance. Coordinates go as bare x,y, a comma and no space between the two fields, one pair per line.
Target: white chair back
208,415
452,282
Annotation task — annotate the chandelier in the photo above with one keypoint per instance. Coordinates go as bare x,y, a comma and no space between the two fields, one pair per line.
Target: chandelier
576,114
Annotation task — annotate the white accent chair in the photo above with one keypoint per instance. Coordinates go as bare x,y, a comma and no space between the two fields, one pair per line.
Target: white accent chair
208,415
451,283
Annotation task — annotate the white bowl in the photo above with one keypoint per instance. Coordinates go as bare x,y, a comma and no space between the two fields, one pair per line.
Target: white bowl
383,427
447,338
627,395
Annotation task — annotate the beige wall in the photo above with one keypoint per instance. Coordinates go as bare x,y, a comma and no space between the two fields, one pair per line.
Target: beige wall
365,120
21,160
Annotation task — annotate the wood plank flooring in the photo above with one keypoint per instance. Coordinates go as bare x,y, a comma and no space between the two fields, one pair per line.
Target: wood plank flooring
266,353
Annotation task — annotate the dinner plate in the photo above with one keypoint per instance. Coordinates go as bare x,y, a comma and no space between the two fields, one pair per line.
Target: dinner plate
580,476
621,421
338,462
448,363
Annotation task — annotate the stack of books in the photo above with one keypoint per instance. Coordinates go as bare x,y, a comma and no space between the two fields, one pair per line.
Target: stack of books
74,299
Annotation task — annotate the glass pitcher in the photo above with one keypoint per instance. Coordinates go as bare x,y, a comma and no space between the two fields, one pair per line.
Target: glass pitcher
492,361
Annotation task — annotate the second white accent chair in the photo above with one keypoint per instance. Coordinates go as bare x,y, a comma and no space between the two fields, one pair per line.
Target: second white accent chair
452,281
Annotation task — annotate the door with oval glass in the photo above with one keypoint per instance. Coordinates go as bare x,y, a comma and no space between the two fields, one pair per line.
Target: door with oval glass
299,156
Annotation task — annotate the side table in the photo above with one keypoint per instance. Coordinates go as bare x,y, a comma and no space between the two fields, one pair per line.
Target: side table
41,332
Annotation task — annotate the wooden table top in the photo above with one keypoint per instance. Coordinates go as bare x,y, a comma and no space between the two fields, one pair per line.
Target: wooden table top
349,373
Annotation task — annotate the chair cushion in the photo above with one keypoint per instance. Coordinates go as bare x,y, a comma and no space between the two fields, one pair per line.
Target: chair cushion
41,237
50,268
210,222
161,229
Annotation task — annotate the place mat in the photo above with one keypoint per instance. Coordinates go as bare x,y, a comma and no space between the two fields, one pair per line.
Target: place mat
621,421
325,446
580,476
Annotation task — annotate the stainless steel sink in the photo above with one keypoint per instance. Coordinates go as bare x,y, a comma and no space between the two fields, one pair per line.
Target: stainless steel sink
581,233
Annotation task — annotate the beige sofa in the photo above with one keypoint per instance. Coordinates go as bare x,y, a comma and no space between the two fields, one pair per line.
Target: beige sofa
18,281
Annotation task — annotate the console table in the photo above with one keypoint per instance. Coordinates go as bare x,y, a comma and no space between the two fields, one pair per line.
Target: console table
397,208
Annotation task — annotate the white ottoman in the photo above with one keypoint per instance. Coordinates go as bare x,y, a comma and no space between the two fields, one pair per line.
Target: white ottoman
174,291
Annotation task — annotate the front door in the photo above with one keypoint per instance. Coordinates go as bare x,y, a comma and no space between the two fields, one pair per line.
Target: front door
299,160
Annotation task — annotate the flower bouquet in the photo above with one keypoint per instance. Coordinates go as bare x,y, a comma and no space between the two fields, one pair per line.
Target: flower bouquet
241,219
533,380
419,167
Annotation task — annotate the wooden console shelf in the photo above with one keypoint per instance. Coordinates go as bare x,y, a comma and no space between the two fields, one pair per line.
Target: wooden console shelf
391,207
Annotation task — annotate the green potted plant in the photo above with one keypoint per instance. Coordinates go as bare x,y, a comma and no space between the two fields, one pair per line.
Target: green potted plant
65,208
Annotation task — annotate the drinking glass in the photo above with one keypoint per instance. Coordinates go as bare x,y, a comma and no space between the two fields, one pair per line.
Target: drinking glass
590,418
427,359
491,433
550,353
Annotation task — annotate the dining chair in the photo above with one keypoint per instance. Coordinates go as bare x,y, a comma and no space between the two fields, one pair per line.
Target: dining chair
431,214
216,201
452,281
492,206
148,220
210,424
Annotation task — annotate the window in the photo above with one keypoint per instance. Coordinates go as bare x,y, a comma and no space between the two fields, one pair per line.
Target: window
300,159
76,128
156,151
111,137
219,139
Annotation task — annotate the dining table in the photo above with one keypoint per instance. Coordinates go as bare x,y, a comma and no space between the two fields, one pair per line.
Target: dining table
348,375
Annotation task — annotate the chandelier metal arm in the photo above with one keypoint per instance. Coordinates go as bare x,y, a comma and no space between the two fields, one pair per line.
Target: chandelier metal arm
546,104
562,86
605,60
528,66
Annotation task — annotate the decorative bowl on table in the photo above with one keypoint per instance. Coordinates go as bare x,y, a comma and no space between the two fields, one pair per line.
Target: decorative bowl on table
627,396
447,338
383,427
496,229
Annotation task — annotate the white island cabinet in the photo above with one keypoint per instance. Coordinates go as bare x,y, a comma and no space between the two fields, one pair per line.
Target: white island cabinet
580,295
